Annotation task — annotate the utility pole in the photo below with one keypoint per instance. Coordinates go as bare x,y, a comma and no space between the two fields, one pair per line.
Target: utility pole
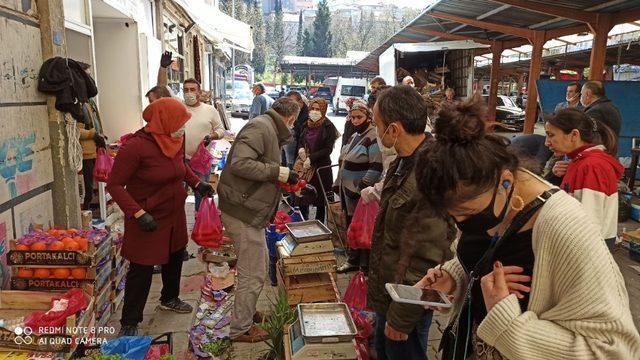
233,59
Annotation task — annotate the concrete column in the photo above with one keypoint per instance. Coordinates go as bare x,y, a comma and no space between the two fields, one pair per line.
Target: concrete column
534,74
600,32
494,80
66,199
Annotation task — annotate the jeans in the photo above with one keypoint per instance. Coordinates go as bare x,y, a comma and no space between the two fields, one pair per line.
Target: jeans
290,152
414,348
136,290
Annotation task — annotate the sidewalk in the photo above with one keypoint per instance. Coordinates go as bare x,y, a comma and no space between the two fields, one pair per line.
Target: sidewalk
157,322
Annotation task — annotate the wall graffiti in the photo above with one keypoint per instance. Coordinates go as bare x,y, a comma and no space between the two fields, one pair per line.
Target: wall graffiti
16,161
19,77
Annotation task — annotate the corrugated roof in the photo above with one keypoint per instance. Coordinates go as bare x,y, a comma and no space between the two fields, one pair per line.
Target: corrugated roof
490,11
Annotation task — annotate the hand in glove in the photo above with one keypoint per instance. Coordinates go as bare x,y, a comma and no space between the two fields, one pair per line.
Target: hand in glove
204,189
166,59
369,194
147,223
207,140
307,164
293,178
99,140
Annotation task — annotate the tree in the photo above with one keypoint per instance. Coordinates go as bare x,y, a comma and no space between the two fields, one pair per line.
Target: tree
364,35
256,20
300,37
307,48
321,40
278,34
343,35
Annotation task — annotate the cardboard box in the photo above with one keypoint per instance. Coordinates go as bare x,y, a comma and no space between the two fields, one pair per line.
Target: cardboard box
35,284
18,304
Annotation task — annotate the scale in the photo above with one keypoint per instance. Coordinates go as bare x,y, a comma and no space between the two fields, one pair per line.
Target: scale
305,238
325,331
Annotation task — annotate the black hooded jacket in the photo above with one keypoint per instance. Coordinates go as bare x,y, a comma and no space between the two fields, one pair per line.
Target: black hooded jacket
71,85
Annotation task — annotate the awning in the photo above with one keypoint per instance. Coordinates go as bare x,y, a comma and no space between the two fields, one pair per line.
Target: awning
217,26
438,46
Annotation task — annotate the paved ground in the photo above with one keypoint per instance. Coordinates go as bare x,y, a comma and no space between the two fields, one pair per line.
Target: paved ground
158,322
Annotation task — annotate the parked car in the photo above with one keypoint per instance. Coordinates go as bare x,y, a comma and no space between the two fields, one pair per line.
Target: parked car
345,89
301,89
507,112
324,92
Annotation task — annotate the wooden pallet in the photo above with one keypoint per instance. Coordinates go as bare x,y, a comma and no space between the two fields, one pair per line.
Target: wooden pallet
309,288
307,264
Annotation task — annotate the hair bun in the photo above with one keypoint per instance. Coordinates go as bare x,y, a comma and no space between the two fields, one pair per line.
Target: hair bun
461,122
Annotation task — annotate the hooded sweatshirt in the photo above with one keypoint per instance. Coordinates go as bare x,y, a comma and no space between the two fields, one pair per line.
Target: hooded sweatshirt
592,178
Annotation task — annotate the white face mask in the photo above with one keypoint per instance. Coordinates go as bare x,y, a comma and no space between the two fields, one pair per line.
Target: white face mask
179,133
386,151
315,115
190,99
570,99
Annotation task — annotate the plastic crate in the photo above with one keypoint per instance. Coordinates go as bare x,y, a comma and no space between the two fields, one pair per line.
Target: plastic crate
161,345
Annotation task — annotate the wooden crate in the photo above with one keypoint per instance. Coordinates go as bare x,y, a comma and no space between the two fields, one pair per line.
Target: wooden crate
307,264
309,288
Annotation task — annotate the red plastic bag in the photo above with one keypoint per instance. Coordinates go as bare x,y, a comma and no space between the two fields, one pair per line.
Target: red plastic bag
207,230
76,301
201,161
103,166
361,229
356,295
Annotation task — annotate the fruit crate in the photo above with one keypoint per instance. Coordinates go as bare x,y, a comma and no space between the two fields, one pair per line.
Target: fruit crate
307,264
20,255
309,288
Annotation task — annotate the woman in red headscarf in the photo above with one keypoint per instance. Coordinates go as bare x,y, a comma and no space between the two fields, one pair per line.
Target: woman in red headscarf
147,183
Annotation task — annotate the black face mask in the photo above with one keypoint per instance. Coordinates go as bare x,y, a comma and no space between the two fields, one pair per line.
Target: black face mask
486,219
362,127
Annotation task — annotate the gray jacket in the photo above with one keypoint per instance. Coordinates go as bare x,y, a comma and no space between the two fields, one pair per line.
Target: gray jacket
248,188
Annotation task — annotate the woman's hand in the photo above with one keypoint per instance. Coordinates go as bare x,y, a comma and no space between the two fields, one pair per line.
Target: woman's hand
560,168
501,282
437,279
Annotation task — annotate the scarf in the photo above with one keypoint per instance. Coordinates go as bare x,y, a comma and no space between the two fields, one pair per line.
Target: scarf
164,117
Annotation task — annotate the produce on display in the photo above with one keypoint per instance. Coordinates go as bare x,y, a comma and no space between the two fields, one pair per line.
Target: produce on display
360,231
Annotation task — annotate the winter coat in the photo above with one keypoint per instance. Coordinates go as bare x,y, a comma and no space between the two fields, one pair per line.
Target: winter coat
604,111
360,167
71,85
321,156
592,178
248,187
408,239
298,125
143,178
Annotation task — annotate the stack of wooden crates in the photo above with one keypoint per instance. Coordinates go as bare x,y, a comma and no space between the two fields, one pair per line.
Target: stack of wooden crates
307,264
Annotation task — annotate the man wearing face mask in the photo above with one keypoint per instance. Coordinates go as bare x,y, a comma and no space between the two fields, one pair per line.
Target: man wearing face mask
249,195
599,107
409,237
205,124
572,97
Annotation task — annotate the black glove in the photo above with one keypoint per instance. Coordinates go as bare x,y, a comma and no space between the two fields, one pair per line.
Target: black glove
99,140
204,189
166,59
147,223
293,178
207,140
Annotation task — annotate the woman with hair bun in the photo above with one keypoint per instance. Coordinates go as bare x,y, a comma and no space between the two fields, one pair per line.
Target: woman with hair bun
592,174
531,278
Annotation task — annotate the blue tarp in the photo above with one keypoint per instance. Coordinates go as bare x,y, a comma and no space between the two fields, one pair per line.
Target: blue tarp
624,94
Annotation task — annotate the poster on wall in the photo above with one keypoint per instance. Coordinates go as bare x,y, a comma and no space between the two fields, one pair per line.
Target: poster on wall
6,234
35,213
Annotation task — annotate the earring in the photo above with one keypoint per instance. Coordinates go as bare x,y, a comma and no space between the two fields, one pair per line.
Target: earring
505,184
515,199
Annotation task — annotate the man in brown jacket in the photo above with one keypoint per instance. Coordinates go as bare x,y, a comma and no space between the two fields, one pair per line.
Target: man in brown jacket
249,195
409,238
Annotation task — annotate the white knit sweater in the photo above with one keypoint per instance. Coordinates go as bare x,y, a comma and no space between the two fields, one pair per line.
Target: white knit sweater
578,308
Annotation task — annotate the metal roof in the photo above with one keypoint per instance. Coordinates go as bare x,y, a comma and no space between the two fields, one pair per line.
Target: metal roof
494,12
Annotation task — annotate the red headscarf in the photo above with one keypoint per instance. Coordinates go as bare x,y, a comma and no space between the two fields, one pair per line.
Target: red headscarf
164,117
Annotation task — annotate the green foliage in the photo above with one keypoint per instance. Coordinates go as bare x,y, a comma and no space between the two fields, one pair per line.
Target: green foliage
167,357
256,20
300,36
278,34
307,47
217,347
281,315
321,40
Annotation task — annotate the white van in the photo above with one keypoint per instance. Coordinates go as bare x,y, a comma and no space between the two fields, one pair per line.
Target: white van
345,89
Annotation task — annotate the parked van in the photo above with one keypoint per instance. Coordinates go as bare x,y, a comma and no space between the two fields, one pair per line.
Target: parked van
345,89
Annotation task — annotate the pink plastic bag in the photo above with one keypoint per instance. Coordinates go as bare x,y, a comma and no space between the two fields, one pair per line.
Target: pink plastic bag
207,230
356,294
201,161
103,166
361,229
